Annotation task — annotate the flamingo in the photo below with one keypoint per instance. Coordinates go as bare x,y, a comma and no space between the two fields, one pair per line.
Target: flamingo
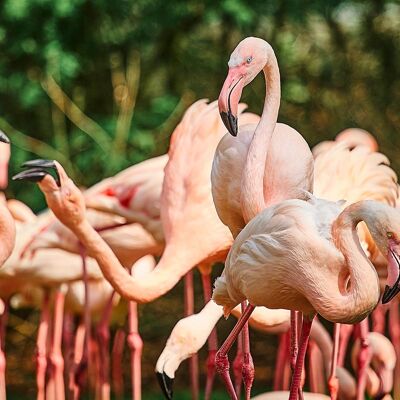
265,164
187,210
316,242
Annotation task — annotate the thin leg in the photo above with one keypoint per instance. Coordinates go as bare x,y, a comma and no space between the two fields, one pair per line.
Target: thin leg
103,337
68,344
189,310
293,339
135,343
302,380
56,358
364,358
3,318
333,382
117,355
315,368
378,319
248,365
394,330
281,359
212,340
237,365
296,380
221,358
344,337
74,386
41,353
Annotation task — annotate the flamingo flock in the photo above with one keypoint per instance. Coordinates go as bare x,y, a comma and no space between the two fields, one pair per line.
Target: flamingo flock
310,241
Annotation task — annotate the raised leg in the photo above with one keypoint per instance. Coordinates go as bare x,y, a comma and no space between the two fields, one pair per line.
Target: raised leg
41,344
394,331
135,343
333,383
221,358
281,359
212,339
3,318
56,357
296,379
344,337
364,358
103,338
117,356
189,310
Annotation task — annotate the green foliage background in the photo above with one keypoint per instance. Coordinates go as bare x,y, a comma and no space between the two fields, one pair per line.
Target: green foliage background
100,85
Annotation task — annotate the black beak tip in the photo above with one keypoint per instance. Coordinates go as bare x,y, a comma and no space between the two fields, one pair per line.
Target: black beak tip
230,122
4,138
166,384
39,163
32,175
390,293
37,170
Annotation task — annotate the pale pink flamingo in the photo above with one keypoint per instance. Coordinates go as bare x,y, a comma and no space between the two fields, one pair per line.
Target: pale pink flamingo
187,210
316,243
265,164
282,395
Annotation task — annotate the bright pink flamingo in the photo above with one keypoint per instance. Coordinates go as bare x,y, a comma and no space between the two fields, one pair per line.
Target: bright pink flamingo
265,164
316,243
186,209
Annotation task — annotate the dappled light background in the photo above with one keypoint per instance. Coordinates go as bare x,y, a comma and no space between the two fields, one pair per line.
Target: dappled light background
100,85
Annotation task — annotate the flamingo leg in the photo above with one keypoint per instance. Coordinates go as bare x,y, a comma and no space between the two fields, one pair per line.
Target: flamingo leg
41,353
238,365
56,357
103,337
135,343
378,319
281,359
248,365
333,382
364,358
316,368
212,339
344,337
294,349
394,330
68,343
189,310
3,319
296,380
221,358
117,355
78,355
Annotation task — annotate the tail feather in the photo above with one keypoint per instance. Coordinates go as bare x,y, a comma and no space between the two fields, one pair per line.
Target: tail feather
221,296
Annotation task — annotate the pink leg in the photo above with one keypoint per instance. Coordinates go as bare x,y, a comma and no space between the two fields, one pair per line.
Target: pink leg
68,343
333,382
344,337
296,380
74,386
281,359
394,330
212,340
378,319
221,358
41,353
117,356
237,365
103,338
293,339
56,358
248,365
189,310
364,358
3,318
135,344
316,368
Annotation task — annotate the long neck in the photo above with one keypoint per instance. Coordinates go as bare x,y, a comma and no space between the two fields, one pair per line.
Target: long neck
252,199
170,269
7,233
359,286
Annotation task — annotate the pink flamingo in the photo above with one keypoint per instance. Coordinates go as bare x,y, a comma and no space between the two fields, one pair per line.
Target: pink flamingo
264,165
316,242
187,210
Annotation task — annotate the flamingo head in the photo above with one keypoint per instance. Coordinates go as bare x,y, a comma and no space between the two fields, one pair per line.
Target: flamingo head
4,158
247,60
62,196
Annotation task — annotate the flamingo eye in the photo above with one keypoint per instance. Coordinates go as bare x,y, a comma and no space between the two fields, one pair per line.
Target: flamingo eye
389,235
249,59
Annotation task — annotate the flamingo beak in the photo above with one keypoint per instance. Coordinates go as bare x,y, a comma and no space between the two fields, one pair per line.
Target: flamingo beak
37,170
393,286
229,98
166,384
4,138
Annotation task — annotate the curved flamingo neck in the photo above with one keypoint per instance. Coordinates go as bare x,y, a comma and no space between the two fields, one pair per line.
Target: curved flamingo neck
362,296
252,199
